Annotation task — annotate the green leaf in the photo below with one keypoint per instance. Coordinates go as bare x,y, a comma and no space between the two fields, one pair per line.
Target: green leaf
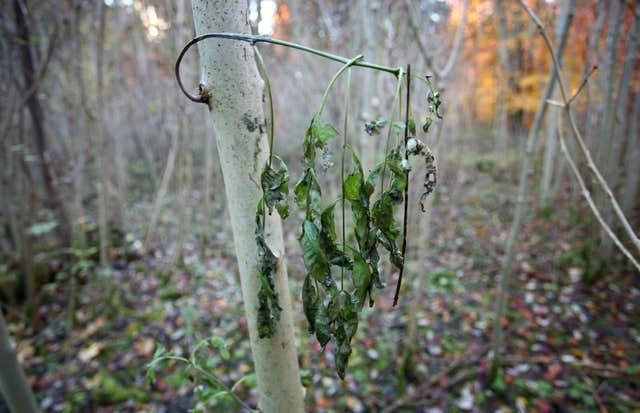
310,302
375,126
427,124
361,279
352,186
318,134
335,255
346,327
307,193
334,306
268,306
398,127
275,187
41,228
328,224
343,352
221,345
323,329
322,132
315,259
412,127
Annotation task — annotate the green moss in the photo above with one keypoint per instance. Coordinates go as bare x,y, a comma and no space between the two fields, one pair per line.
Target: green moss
109,391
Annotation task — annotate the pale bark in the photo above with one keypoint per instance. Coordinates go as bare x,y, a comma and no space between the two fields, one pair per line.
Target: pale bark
523,189
164,186
13,383
207,181
566,103
552,118
186,167
592,57
504,84
230,77
615,23
619,124
367,144
632,166
101,146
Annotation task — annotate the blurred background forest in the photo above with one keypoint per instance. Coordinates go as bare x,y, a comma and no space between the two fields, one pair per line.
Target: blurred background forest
114,229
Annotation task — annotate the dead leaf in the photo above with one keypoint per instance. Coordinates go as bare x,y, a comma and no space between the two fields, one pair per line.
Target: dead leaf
25,351
144,347
93,327
91,352
553,371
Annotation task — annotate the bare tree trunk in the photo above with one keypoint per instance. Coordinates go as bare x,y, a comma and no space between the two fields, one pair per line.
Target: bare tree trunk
207,181
619,125
54,200
236,92
101,144
592,57
523,189
13,383
552,119
505,81
632,166
367,145
186,165
164,186
615,23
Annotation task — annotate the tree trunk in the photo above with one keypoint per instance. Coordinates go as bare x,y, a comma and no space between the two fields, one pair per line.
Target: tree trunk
207,182
101,144
164,186
37,115
606,126
505,81
552,120
523,189
13,383
367,145
619,126
230,77
632,166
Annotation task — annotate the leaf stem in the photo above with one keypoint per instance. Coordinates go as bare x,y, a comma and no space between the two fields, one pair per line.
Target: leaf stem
396,98
253,39
193,365
335,77
267,83
345,142
406,187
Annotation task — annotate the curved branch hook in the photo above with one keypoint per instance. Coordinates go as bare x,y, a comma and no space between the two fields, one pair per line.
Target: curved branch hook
252,39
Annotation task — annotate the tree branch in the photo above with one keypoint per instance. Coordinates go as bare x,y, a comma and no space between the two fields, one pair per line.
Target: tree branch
576,132
204,98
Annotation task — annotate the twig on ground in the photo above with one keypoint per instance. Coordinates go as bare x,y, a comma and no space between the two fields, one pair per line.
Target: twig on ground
424,389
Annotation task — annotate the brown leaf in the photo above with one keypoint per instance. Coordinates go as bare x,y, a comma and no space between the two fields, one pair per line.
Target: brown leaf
144,347
553,371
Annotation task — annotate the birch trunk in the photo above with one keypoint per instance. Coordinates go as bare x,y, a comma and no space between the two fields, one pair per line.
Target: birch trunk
230,78
505,82
13,383
552,120
523,189
632,166
101,145
164,187
619,125
367,145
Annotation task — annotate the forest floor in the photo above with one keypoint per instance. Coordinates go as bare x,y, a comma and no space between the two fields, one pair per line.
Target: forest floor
572,341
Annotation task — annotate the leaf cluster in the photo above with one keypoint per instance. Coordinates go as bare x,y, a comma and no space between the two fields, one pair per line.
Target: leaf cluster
275,189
